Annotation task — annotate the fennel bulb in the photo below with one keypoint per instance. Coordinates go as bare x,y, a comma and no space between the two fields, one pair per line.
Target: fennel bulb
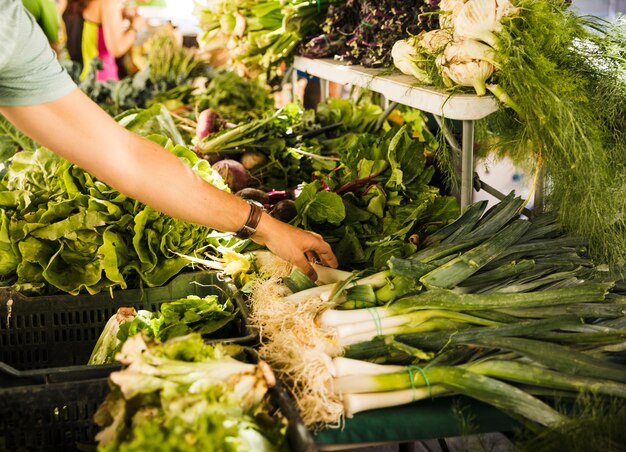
481,19
405,57
474,73
435,41
449,10
464,50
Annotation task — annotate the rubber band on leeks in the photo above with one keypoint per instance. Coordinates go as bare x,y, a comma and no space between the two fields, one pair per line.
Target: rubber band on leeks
378,324
410,370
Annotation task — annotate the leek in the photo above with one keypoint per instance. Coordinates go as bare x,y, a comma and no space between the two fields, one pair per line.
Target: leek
499,394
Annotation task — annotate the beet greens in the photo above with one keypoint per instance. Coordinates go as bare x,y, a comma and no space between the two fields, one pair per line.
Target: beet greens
363,31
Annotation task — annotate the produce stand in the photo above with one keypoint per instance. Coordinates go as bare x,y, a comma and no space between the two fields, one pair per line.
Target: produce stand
402,89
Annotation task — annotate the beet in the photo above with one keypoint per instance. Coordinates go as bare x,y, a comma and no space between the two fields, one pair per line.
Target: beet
233,173
254,194
284,210
209,121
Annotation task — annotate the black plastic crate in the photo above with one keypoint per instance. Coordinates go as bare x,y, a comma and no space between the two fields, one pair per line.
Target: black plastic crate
50,417
61,330
58,415
299,439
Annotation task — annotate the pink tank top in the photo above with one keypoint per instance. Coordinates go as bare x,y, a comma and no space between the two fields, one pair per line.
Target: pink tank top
109,65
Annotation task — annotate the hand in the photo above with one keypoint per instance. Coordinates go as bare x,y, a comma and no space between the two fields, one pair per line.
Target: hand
295,245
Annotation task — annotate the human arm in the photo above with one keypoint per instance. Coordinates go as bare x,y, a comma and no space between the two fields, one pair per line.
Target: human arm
141,169
117,38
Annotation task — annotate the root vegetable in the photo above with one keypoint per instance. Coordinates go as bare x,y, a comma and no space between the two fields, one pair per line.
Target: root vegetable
253,159
233,173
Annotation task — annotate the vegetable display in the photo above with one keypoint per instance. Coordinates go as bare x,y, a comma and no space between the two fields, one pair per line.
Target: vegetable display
363,31
183,394
378,202
259,35
63,230
493,307
174,318
561,80
165,77
366,191
519,313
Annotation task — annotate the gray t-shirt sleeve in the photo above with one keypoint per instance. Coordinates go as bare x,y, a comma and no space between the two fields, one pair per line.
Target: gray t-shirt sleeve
30,73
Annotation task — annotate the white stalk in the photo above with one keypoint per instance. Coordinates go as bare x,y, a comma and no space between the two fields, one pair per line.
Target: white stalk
481,19
405,58
371,326
321,292
347,366
464,50
366,337
377,280
335,317
326,275
477,20
356,403
360,384
471,73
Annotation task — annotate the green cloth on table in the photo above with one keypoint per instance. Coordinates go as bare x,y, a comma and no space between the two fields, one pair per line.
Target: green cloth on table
29,70
426,419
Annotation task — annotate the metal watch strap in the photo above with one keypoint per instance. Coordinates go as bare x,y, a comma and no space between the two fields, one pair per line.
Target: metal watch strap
249,228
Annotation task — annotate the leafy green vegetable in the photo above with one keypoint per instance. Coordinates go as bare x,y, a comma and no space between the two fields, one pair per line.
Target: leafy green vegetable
260,35
236,98
11,140
383,184
184,395
192,314
154,120
63,230
319,206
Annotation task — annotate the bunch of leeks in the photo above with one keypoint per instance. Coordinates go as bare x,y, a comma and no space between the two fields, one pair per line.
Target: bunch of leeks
494,307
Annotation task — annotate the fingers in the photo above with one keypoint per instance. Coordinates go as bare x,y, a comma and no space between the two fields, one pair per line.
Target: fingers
304,265
324,253
311,256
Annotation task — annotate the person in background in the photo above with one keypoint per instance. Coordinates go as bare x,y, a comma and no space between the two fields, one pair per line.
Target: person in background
46,14
39,97
95,28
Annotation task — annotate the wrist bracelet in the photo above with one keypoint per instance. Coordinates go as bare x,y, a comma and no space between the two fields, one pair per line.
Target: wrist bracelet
249,228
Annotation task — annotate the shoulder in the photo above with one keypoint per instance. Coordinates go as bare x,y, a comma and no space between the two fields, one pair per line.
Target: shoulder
12,21
29,70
